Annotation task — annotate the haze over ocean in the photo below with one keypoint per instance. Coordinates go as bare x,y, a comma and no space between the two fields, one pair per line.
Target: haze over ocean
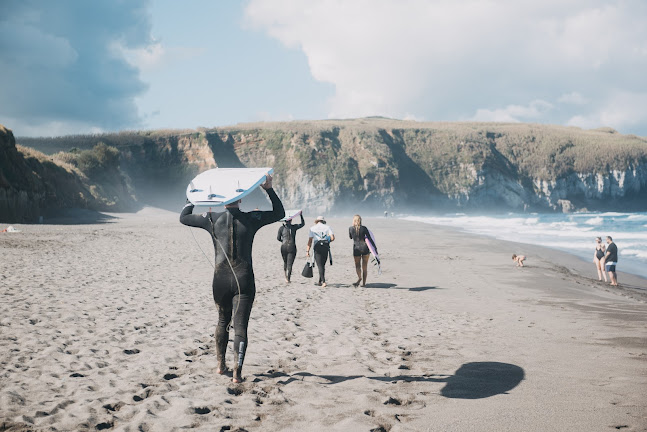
574,233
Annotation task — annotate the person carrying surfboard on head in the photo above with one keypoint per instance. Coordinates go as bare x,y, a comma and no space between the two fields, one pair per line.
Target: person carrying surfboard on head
360,236
322,236
287,236
232,232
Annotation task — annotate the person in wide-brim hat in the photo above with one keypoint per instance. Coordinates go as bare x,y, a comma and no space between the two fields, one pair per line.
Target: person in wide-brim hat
321,235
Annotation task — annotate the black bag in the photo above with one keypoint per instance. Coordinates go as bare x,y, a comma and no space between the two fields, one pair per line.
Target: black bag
307,270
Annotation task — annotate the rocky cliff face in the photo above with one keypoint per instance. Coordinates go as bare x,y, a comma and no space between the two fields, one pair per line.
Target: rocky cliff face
481,167
380,164
34,185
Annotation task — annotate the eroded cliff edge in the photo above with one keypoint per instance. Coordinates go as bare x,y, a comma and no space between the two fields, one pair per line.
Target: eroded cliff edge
382,164
33,184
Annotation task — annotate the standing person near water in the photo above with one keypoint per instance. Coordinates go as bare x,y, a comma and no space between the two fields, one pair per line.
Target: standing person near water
598,258
359,233
232,232
287,236
322,236
611,260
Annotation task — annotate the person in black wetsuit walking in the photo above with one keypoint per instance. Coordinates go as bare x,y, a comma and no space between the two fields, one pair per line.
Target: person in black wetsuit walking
359,233
232,232
287,236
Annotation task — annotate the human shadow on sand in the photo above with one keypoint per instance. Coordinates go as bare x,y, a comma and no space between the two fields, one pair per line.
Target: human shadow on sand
395,286
476,380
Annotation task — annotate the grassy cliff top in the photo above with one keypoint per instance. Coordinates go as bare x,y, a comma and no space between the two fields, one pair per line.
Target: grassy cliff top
541,151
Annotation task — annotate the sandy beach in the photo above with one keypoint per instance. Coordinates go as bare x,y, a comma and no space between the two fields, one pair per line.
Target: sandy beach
109,326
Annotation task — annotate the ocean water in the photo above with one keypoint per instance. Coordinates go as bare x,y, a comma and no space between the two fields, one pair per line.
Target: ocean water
574,233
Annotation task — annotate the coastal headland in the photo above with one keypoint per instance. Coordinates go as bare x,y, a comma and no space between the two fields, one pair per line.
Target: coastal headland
336,166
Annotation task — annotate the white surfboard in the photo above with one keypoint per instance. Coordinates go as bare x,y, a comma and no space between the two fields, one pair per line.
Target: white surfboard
291,214
376,256
222,186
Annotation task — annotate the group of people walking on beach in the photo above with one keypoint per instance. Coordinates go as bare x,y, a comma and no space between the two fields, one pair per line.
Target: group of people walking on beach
232,232
605,259
320,235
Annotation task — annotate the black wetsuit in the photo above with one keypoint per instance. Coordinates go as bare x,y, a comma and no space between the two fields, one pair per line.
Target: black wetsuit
360,248
233,231
287,235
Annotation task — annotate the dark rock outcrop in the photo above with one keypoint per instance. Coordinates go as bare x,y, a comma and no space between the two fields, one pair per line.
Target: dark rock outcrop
34,185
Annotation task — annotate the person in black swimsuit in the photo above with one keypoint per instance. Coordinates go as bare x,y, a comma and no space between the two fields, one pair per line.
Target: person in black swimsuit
287,236
359,233
232,232
598,258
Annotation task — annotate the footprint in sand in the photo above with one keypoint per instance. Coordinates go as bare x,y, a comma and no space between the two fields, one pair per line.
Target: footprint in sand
142,396
105,425
114,407
235,391
201,410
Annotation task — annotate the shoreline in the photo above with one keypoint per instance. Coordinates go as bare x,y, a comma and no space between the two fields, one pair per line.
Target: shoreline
633,263
629,283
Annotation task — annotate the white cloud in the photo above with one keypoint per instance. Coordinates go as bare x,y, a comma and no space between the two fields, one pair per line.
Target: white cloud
59,68
444,60
621,110
157,55
265,116
49,128
573,98
514,113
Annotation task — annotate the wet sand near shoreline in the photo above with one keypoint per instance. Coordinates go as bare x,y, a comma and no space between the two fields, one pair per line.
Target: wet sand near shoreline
110,326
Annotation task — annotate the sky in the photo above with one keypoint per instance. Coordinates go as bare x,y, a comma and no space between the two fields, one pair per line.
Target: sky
76,66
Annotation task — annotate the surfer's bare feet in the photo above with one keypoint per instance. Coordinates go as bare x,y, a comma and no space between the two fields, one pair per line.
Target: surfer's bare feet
237,378
357,283
222,368
323,284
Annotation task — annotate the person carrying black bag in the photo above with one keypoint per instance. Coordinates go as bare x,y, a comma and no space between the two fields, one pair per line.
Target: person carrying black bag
322,236
287,236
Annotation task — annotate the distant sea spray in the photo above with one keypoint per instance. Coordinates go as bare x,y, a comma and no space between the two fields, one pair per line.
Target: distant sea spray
574,233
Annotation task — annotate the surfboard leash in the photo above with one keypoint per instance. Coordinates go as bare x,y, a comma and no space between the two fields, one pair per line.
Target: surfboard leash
200,247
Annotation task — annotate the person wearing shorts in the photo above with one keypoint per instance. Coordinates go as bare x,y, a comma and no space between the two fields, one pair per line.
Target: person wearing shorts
611,260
